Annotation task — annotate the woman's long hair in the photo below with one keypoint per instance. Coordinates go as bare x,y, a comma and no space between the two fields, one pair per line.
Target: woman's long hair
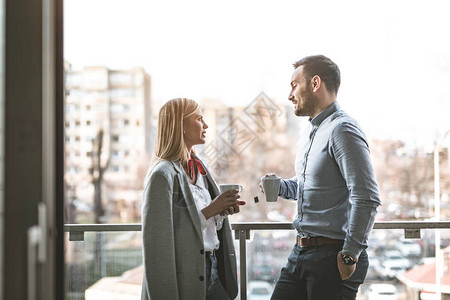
169,144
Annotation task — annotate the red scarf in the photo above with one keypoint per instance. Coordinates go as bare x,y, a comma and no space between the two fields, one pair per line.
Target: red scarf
195,162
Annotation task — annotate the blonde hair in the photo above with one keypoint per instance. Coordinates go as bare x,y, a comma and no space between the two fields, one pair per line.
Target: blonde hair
169,144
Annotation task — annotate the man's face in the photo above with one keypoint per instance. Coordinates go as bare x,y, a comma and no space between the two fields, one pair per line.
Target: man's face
301,94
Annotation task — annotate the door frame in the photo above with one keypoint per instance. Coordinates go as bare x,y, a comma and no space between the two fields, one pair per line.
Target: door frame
34,149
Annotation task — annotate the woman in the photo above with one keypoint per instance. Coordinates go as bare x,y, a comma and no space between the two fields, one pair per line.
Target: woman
187,242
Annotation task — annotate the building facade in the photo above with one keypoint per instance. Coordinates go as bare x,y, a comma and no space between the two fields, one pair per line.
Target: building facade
107,135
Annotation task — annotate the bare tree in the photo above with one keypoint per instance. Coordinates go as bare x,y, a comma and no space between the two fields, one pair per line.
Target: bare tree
97,171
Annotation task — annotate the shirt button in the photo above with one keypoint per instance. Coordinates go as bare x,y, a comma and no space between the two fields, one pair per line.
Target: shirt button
201,278
202,251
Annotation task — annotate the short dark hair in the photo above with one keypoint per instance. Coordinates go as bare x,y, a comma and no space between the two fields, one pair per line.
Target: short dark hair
322,66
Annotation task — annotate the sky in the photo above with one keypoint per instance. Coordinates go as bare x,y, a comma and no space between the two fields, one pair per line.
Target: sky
394,56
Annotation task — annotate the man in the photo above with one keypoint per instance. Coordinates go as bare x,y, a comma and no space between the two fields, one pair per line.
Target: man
335,188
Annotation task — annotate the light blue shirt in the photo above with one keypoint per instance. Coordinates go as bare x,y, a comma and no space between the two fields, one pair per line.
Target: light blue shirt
335,185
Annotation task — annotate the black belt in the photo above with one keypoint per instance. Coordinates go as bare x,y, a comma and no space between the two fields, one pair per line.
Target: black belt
317,241
210,253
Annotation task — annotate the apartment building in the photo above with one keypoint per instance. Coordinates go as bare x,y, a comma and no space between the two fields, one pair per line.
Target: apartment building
107,139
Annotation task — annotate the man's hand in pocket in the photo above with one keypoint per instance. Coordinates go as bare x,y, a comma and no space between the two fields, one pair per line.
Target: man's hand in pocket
344,270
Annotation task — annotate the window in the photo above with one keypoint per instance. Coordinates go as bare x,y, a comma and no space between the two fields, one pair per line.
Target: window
74,80
70,108
95,78
74,93
119,108
121,78
389,61
123,93
117,168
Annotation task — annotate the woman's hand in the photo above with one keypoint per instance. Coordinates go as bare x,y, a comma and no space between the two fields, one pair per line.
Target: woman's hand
232,210
225,204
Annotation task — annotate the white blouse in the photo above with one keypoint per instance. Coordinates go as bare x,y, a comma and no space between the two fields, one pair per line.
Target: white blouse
209,227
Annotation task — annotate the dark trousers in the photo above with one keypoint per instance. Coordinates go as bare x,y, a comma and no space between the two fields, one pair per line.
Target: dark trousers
312,274
214,288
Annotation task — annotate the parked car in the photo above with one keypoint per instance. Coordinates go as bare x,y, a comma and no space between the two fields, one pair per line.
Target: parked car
382,291
264,272
394,264
427,260
375,271
410,248
259,290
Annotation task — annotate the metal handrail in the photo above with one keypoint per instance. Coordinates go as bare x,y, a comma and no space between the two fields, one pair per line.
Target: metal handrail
242,233
406,225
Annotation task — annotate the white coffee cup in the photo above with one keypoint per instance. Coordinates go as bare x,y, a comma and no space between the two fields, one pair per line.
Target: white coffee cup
227,187
271,187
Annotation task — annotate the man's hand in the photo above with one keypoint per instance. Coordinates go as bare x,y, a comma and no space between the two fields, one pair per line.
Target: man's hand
344,270
260,181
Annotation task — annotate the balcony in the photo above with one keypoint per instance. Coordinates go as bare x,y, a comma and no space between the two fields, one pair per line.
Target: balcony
103,261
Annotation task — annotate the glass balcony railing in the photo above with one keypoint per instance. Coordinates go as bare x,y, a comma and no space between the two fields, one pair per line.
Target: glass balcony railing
104,261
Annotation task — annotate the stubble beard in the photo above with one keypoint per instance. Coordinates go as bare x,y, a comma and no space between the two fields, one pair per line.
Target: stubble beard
307,110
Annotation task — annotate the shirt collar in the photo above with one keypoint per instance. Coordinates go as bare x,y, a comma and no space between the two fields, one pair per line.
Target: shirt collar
332,108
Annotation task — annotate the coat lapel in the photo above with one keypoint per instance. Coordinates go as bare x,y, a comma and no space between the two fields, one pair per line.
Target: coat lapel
214,188
192,208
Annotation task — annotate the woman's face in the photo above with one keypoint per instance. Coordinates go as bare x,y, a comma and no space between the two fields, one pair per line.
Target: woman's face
194,129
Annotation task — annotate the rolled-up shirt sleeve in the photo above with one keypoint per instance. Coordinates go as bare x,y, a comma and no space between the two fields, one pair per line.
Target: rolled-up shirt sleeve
351,153
288,188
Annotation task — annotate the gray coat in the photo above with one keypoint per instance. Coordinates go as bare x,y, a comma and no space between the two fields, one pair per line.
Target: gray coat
174,260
